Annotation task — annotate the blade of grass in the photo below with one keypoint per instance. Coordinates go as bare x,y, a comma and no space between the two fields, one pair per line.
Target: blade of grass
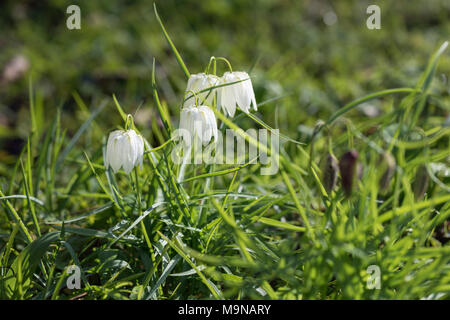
213,289
172,46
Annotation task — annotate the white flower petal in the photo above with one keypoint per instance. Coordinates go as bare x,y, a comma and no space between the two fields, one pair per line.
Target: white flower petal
198,122
124,149
240,93
140,150
197,83
115,159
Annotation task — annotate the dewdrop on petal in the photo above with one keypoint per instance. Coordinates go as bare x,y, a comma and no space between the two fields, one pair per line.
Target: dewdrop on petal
239,94
198,122
125,149
198,82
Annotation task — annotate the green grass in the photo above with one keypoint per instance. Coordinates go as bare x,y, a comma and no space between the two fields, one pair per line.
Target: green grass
226,232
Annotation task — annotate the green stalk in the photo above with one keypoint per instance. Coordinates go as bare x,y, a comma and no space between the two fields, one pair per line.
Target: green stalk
172,46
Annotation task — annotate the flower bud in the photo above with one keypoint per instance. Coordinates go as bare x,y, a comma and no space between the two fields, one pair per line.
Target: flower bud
442,232
388,165
420,184
347,168
124,149
330,170
319,124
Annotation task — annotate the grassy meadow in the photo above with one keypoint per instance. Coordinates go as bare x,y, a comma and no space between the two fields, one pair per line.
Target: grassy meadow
321,227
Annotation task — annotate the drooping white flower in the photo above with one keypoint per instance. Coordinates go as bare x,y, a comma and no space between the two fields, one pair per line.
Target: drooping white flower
124,149
198,122
198,82
239,94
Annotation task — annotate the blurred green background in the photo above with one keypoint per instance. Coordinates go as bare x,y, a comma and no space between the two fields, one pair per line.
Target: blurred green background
317,55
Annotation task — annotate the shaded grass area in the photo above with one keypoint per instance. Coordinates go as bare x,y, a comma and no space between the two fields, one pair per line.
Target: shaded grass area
240,235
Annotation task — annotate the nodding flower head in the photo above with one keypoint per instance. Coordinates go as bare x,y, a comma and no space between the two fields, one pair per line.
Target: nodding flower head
198,82
239,94
198,122
124,149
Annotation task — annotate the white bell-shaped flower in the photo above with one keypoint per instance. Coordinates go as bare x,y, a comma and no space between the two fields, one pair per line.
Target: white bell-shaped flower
124,149
239,94
198,122
198,82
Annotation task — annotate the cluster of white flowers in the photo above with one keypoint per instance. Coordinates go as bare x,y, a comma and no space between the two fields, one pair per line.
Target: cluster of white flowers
233,90
125,148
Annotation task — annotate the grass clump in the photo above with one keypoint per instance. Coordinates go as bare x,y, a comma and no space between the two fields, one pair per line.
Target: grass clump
225,231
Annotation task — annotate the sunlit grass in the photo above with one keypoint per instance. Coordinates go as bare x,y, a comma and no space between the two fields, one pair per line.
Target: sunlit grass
226,232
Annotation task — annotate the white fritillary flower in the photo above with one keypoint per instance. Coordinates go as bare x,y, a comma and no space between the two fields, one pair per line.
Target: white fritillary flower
198,122
198,82
239,94
124,149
